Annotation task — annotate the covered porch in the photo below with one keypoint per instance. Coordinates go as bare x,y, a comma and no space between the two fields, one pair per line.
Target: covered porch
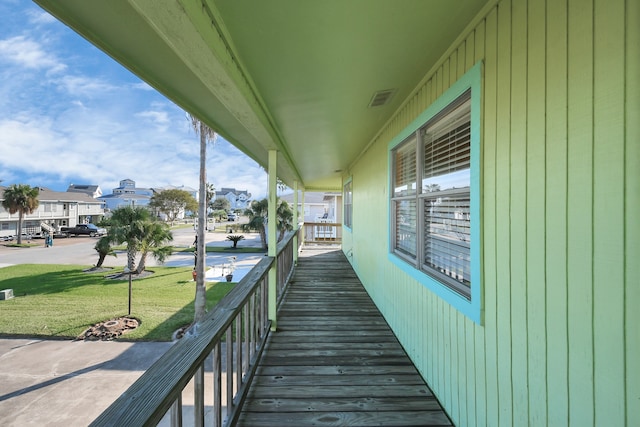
331,361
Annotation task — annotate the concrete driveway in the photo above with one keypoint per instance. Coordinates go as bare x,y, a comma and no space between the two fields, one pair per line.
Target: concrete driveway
67,383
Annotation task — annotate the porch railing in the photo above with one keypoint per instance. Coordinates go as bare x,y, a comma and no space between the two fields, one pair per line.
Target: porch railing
241,320
322,232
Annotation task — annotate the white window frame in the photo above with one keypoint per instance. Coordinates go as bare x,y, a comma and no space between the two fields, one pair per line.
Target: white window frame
348,204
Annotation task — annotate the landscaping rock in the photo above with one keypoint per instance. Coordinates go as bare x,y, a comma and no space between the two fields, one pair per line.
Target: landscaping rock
109,329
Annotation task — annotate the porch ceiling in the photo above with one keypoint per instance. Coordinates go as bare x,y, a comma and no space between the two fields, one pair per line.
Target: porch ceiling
291,75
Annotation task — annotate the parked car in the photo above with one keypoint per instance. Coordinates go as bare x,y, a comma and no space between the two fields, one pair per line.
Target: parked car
231,217
84,229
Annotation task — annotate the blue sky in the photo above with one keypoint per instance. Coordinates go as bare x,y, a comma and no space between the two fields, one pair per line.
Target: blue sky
70,114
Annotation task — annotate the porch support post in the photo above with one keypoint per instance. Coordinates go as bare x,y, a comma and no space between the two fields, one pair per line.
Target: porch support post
304,227
295,222
272,238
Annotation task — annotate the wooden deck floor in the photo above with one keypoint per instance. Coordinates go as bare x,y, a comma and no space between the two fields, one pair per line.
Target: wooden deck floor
333,360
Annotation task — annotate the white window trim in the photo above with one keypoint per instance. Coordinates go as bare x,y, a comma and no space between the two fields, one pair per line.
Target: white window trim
350,204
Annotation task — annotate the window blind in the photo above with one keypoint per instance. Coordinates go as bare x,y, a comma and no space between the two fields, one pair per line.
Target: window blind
405,168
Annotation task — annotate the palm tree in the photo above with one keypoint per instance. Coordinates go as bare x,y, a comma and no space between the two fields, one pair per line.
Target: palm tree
128,226
285,218
206,134
156,235
257,214
104,248
235,238
23,199
211,193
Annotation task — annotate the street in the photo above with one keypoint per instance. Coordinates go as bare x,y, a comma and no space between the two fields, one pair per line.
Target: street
79,251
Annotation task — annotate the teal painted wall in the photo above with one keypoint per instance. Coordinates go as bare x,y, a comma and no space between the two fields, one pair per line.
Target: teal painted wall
560,339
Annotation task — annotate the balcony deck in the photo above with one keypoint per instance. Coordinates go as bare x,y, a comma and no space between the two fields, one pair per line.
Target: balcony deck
334,361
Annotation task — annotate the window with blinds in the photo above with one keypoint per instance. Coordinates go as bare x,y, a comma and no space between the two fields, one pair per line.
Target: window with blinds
432,222
348,205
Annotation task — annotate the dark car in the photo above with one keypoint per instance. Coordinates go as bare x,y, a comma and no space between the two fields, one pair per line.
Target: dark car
84,229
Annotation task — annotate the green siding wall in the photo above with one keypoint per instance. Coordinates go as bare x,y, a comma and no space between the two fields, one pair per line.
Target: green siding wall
560,339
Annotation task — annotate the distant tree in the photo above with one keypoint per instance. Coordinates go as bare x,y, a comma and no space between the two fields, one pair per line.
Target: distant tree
23,199
257,214
220,204
235,238
172,202
219,214
206,134
211,193
156,235
104,248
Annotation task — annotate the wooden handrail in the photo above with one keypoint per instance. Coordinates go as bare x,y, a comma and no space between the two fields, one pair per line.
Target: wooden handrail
159,389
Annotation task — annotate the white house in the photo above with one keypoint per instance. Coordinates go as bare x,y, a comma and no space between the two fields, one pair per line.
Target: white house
127,194
238,199
56,209
318,206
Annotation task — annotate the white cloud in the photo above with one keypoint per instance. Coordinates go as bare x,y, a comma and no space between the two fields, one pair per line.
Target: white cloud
40,17
98,124
84,86
28,53
157,117
142,86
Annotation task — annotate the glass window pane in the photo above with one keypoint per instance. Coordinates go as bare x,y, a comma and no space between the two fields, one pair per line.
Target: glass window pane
447,240
447,151
405,230
348,204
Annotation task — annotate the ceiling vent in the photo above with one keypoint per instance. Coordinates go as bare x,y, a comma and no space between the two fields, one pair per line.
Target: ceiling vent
381,97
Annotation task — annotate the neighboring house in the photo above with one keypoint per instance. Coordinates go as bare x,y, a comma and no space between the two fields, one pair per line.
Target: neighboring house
318,206
56,209
490,159
92,190
127,194
238,199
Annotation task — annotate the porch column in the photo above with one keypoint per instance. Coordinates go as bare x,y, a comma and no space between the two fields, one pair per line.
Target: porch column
295,223
272,238
304,228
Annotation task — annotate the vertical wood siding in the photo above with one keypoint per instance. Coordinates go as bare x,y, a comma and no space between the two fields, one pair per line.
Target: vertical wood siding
560,147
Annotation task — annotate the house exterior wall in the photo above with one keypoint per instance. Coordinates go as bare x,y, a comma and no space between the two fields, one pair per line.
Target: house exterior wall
558,343
56,213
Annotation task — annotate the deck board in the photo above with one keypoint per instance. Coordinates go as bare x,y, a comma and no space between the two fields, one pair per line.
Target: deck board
334,361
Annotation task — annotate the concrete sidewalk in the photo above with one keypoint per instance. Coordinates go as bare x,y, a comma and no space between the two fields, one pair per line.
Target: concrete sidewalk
67,383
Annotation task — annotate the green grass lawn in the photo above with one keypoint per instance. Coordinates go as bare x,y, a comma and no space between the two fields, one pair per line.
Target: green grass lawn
62,301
